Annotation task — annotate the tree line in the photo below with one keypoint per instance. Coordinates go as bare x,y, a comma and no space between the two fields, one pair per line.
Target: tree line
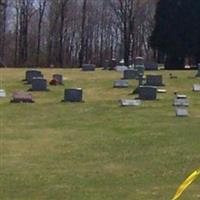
67,33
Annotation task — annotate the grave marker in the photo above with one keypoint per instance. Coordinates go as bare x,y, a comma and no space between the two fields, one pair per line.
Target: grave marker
139,61
149,65
2,93
88,67
130,102
198,72
130,74
120,84
73,95
22,97
181,112
154,80
30,74
147,93
39,84
58,79
196,87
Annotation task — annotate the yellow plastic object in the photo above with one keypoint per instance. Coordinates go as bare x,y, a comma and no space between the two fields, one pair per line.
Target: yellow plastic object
186,184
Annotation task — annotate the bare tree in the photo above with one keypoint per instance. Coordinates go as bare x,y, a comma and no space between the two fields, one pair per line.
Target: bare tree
41,10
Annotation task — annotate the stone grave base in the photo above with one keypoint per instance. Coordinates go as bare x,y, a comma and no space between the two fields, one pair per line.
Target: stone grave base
2,93
181,112
120,84
130,102
22,97
196,87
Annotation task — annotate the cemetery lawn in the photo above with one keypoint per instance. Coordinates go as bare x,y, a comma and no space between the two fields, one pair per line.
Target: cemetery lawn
97,150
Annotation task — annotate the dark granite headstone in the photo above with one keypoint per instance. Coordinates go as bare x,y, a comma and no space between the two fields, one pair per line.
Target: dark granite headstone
88,67
151,65
130,74
147,93
39,84
22,97
154,80
30,74
120,84
73,95
58,78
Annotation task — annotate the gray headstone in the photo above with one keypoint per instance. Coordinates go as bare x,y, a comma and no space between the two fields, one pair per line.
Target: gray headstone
39,84
73,95
88,67
2,93
151,65
154,80
130,74
23,97
140,83
30,74
139,61
181,96
181,102
59,78
120,68
130,102
147,93
105,65
181,112
140,69
120,84
198,72
196,87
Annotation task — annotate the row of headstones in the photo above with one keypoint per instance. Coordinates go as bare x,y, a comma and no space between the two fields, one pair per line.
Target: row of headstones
138,61
36,79
149,90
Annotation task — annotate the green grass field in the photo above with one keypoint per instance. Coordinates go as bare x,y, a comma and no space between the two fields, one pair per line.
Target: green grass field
97,150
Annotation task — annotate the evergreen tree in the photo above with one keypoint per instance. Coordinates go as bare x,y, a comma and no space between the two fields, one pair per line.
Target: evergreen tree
176,32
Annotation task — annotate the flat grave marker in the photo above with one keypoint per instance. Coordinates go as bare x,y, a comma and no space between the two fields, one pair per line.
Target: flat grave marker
130,102
196,87
22,97
181,112
2,93
120,84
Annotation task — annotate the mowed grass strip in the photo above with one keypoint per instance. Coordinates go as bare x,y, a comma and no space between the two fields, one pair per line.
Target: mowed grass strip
97,150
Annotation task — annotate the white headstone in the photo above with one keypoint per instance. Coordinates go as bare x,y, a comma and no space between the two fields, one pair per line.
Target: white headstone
196,87
130,102
181,112
2,93
181,102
